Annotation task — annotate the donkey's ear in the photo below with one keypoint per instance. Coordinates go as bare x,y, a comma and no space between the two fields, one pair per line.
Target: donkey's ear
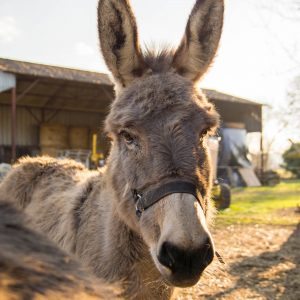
119,40
201,39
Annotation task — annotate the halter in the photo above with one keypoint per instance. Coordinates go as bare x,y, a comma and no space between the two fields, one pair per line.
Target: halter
144,200
150,197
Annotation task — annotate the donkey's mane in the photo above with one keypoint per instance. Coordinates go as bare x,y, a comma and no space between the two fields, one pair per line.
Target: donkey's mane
159,60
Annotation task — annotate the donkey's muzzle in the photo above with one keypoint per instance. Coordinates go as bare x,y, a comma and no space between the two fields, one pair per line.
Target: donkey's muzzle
186,265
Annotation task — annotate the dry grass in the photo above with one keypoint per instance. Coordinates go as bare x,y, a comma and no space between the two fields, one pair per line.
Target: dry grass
262,262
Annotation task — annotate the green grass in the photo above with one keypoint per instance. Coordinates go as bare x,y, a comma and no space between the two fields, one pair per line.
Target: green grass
263,205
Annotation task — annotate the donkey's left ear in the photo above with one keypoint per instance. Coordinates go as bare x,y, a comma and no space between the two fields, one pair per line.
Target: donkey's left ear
200,42
119,40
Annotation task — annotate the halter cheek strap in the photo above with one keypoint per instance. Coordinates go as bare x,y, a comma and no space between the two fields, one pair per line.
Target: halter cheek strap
150,197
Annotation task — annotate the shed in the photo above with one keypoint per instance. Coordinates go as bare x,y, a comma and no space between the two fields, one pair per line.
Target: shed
234,109
32,94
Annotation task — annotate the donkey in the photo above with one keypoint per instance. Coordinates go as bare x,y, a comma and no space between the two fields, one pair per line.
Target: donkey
32,267
142,220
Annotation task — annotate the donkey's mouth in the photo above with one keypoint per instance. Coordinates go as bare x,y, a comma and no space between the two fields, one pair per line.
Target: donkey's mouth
182,280
182,283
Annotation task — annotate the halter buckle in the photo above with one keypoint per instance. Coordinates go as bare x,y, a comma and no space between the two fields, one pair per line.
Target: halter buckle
139,208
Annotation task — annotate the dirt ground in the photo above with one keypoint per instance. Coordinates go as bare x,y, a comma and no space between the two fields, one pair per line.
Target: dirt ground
262,262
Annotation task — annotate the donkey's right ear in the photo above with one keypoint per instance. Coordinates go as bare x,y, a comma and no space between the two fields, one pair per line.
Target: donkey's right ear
119,40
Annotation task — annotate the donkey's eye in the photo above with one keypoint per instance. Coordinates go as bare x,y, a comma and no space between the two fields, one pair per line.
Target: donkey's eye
203,133
128,138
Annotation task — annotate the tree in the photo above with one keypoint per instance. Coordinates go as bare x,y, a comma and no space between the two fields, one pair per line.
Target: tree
286,116
286,119
291,159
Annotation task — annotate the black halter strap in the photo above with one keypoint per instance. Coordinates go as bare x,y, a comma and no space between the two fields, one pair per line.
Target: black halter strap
150,197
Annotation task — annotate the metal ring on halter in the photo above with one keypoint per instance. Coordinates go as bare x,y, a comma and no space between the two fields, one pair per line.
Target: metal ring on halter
138,205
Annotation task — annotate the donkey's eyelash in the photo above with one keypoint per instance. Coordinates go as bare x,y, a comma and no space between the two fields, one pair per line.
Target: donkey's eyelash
123,132
130,139
204,132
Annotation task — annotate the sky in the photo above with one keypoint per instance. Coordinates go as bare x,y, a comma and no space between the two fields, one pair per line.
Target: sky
257,57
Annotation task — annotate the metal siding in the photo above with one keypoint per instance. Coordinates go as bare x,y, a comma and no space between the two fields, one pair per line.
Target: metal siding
5,126
27,128
72,118
7,81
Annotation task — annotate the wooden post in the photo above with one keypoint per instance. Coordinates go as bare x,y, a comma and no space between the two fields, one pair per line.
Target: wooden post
262,150
262,156
13,124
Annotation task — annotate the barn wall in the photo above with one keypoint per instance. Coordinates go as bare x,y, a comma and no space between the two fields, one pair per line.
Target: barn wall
27,129
28,126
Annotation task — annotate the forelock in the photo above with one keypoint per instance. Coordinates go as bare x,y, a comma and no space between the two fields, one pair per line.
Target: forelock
159,61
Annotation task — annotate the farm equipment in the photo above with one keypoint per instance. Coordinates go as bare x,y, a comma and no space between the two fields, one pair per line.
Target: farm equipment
4,169
80,155
97,159
221,192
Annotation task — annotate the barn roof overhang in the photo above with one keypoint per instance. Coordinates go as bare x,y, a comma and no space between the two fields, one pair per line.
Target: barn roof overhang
51,87
237,110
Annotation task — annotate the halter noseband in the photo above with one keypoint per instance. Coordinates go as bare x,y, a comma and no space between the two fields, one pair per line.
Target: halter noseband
150,197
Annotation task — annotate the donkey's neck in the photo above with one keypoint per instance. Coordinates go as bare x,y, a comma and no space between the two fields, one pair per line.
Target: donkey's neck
118,253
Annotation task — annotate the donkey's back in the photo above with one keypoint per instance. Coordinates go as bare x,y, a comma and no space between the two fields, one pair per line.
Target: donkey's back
52,191
31,174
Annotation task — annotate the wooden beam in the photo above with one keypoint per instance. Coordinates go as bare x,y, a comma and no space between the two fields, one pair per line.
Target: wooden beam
94,98
28,89
92,110
53,115
33,115
55,94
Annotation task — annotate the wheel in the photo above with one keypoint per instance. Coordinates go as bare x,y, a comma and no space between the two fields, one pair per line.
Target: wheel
225,196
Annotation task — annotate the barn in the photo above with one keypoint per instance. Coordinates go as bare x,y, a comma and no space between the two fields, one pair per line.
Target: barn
34,95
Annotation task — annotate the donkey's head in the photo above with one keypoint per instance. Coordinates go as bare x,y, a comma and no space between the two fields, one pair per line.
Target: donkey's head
158,123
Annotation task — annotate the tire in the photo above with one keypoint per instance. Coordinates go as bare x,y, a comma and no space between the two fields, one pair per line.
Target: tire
225,196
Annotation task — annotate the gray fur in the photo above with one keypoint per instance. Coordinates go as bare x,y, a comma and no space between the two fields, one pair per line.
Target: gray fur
158,125
31,267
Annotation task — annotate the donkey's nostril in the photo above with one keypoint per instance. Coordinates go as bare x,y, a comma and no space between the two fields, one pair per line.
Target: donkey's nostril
208,255
166,255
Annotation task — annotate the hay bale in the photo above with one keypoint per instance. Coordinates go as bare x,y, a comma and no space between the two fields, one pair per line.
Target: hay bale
54,136
79,137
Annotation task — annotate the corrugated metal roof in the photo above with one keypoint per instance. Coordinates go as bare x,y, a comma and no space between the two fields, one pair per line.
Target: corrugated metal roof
40,70
216,95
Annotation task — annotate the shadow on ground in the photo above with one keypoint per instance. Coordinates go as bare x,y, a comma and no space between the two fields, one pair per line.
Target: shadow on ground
270,275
